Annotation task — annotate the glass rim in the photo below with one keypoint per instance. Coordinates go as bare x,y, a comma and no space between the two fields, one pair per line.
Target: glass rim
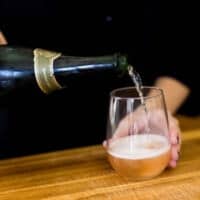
137,98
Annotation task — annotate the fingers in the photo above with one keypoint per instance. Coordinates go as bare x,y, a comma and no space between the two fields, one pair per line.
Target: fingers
174,157
175,139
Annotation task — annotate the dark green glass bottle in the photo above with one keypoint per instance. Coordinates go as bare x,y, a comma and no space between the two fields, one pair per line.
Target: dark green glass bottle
50,70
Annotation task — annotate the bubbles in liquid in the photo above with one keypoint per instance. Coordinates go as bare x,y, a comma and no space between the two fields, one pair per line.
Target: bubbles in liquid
144,146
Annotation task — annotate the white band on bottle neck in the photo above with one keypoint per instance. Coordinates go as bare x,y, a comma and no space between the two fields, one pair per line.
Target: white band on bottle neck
43,69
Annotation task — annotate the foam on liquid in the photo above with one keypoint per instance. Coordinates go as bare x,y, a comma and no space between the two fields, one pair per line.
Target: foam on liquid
136,147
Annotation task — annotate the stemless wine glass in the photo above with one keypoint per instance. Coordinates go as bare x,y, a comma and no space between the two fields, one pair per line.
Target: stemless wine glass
137,142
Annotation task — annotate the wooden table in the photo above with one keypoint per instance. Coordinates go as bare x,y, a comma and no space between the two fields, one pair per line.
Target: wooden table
84,173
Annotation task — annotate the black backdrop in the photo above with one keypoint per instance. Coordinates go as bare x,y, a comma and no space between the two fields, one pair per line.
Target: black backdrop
76,116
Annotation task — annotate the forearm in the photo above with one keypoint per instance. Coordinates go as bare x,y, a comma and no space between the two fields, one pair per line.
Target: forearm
175,92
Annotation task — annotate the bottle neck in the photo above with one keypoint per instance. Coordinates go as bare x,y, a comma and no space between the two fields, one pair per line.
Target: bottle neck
51,70
68,68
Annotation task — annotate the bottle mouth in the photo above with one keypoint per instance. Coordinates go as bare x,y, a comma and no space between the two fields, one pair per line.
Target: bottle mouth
122,63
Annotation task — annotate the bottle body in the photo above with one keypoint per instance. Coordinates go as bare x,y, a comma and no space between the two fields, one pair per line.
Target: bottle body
18,68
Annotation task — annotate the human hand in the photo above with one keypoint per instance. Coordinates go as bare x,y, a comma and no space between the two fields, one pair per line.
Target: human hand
2,39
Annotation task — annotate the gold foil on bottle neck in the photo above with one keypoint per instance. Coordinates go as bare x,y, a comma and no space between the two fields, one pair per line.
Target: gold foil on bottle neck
44,72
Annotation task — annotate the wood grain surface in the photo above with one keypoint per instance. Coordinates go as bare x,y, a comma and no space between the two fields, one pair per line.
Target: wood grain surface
84,173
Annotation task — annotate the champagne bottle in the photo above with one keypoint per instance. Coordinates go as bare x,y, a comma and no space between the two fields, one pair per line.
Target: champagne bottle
50,70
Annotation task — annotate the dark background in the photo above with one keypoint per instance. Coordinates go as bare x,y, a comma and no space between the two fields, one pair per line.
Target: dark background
154,35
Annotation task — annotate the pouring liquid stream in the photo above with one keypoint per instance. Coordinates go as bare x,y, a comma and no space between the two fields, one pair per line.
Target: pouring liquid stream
138,84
